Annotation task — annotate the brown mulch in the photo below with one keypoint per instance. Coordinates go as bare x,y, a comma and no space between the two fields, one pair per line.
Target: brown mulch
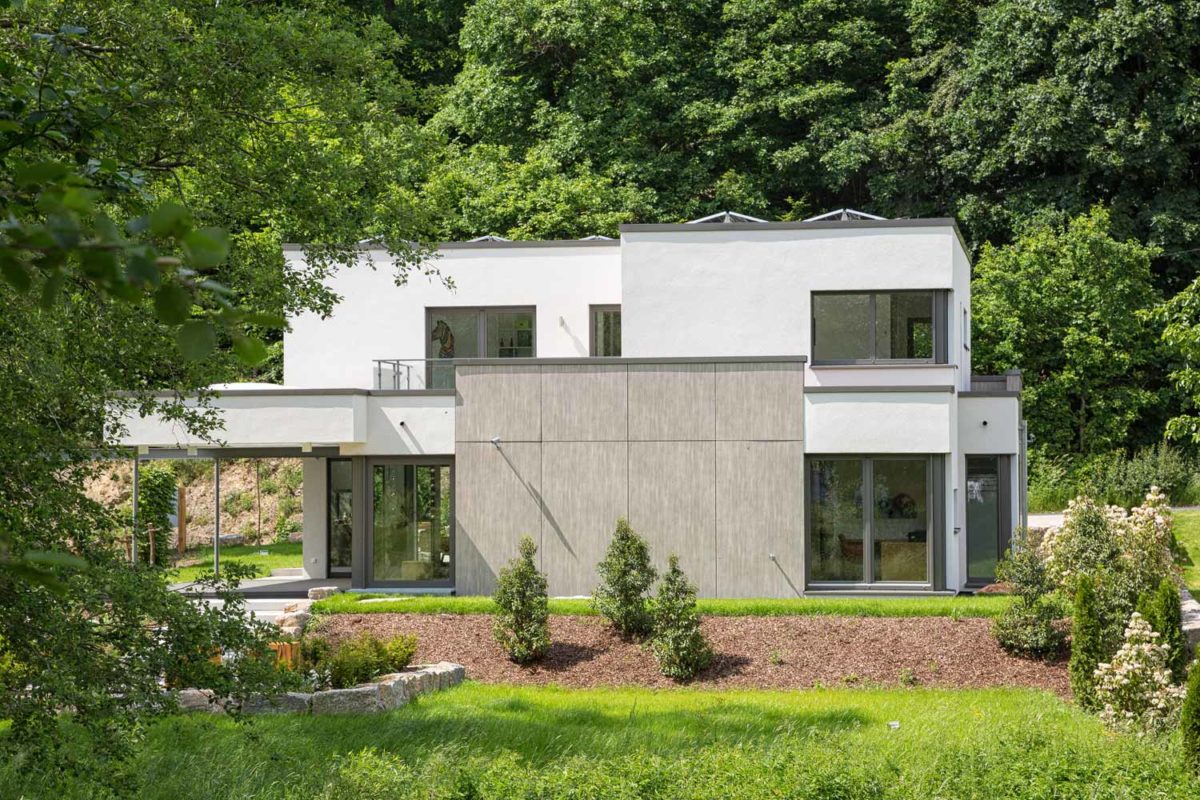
751,652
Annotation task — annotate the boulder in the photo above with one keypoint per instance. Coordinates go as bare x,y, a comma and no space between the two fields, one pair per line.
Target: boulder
292,607
321,592
1190,610
363,699
296,619
201,700
232,539
296,536
289,703
393,690
996,588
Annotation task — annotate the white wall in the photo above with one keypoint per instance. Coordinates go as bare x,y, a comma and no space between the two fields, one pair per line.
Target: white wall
878,422
377,319
999,436
316,544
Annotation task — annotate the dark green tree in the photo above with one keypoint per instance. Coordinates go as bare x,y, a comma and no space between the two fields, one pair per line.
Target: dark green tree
522,625
1161,608
1087,644
679,645
1189,722
626,577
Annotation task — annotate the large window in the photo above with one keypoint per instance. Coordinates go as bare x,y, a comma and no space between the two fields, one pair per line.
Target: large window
606,331
410,523
341,515
876,536
475,333
878,327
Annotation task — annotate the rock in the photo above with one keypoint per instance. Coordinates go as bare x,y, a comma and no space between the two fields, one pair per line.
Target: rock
321,592
1190,610
296,536
289,703
393,690
202,700
995,588
296,619
294,631
291,607
363,699
232,539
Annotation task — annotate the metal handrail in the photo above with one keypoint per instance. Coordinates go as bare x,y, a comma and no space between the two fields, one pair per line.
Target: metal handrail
413,374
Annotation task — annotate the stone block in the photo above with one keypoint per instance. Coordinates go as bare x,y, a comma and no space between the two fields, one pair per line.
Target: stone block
232,540
1190,610
321,592
295,619
201,700
393,690
289,703
363,699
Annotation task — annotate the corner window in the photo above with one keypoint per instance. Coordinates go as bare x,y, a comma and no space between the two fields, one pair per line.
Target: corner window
606,331
878,327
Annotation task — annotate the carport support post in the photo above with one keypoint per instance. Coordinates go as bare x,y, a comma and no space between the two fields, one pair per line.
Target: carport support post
133,527
217,517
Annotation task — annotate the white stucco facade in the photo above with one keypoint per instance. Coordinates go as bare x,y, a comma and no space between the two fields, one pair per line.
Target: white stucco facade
684,292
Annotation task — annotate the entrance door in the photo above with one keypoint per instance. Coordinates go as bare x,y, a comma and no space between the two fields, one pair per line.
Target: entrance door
989,526
410,525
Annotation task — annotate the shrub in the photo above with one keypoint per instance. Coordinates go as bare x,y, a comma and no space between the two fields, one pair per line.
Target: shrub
357,660
237,502
1029,627
1189,720
1087,644
626,577
1162,610
679,645
1024,569
522,619
156,503
1135,688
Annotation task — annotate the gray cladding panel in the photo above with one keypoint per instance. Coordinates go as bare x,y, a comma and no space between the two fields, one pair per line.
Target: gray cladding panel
671,504
585,403
583,494
498,401
671,402
497,502
760,512
763,402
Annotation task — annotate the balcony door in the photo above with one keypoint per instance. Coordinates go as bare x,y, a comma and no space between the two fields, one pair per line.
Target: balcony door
410,539
492,332
989,516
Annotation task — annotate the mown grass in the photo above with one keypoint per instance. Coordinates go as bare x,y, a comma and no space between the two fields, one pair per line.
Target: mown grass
285,554
1187,534
499,742
961,606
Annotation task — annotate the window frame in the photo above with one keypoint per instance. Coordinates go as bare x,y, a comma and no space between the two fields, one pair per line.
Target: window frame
369,580
481,330
940,328
340,572
934,499
592,340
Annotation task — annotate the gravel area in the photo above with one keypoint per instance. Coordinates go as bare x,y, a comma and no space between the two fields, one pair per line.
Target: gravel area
751,652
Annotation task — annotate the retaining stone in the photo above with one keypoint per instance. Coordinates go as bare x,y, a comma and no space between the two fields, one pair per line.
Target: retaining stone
199,700
321,592
363,699
1190,609
290,703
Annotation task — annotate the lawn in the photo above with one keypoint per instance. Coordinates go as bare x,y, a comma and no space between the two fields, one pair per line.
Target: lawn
949,606
498,741
265,557
1187,533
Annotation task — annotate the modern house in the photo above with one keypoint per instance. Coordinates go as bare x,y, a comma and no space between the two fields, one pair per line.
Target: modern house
789,406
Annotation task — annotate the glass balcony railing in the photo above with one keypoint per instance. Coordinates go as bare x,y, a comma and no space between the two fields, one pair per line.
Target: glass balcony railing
414,374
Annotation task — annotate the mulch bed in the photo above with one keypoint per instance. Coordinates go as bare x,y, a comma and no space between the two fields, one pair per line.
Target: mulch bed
751,652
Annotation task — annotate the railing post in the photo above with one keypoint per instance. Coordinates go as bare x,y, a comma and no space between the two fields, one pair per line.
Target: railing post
217,517
134,526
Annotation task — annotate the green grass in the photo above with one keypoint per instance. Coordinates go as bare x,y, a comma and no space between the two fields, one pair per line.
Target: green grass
964,606
287,554
1187,534
499,741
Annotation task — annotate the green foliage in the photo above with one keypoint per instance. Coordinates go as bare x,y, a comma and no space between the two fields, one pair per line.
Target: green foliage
1189,720
1023,568
1161,609
522,610
626,577
678,645
156,502
1083,339
1031,628
360,659
1087,644
1113,477
237,502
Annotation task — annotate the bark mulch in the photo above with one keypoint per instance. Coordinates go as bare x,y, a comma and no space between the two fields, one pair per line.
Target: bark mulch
751,652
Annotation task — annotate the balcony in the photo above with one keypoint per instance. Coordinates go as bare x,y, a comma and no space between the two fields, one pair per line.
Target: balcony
1008,384
413,374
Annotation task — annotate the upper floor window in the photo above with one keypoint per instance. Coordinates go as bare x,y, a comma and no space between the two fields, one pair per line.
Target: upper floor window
496,332
606,331
878,327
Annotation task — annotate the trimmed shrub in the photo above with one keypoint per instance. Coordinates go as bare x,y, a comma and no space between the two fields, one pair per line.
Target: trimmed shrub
1135,689
358,660
1162,610
1023,568
679,645
1189,720
1087,645
522,620
626,577
1029,628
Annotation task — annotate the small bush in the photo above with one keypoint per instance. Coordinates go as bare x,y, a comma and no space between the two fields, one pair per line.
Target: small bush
1135,689
237,502
522,618
626,577
291,477
358,660
1087,645
1189,720
1030,628
1023,568
679,645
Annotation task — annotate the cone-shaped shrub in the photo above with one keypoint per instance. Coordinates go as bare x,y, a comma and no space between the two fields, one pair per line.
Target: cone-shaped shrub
1087,644
679,646
1189,721
1168,621
626,576
523,609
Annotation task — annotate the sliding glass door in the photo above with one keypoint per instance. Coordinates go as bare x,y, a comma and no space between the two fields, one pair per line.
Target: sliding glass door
988,513
879,535
411,523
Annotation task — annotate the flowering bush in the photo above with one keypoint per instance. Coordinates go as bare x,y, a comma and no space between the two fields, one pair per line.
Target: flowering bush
1134,689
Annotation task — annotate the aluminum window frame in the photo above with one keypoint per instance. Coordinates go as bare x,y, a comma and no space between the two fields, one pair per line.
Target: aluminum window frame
940,301
481,331
347,571
369,464
593,341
